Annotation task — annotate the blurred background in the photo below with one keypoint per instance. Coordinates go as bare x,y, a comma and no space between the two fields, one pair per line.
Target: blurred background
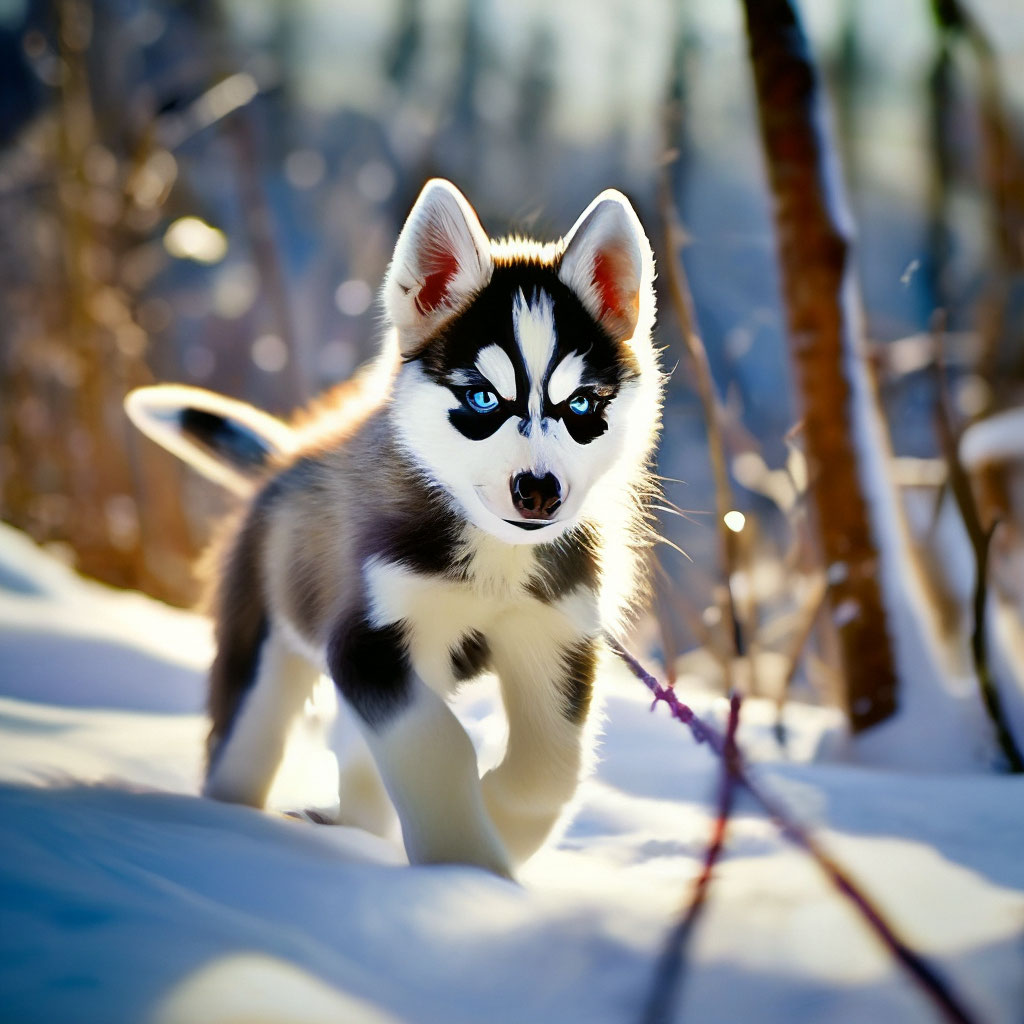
208,191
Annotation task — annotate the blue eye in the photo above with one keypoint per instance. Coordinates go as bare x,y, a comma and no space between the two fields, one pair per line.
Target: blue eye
581,404
482,401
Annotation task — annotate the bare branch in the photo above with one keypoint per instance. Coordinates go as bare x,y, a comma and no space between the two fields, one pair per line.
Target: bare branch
682,305
945,999
664,994
980,538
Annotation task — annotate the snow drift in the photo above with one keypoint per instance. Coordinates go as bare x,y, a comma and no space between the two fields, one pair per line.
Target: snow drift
124,897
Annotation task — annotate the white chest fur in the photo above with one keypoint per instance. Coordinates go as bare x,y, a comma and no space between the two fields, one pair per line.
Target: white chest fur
493,600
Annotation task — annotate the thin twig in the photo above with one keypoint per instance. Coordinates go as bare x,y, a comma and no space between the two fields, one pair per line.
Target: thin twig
665,988
661,613
686,611
982,665
682,305
1002,163
980,539
924,974
807,615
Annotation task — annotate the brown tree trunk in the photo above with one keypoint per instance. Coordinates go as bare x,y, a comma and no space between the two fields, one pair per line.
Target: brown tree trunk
814,252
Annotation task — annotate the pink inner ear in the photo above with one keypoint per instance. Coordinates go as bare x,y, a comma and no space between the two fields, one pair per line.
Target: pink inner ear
441,268
607,276
605,279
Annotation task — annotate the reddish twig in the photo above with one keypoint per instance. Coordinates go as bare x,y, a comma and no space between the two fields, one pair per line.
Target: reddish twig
924,974
727,788
665,987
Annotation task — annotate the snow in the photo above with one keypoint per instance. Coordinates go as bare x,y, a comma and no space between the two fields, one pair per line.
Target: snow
1000,438
940,722
124,897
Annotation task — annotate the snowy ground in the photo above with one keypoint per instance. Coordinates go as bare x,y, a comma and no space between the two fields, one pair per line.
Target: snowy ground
126,898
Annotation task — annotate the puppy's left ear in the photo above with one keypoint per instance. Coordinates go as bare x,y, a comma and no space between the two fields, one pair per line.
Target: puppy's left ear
442,259
608,263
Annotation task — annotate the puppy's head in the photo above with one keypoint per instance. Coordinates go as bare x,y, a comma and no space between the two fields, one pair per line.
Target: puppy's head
528,371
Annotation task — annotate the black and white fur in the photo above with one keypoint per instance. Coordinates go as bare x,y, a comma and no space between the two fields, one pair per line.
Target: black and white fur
475,501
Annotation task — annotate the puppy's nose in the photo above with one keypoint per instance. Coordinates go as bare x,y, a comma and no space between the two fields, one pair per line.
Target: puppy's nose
536,498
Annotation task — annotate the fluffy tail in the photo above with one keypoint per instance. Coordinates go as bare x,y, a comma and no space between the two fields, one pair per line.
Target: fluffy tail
227,441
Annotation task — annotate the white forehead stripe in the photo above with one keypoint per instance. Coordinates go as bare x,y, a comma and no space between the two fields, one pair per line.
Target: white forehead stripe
534,325
566,377
495,365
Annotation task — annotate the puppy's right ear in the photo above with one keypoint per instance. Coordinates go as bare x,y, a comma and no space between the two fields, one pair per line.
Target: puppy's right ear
442,259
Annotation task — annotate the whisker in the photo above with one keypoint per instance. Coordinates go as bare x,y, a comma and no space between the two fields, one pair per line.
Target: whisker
676,512
659,539
685,511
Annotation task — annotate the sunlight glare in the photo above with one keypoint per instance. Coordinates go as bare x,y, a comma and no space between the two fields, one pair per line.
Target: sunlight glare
735,521
193,239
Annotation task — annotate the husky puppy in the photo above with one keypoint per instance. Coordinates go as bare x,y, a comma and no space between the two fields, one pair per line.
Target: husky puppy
476,501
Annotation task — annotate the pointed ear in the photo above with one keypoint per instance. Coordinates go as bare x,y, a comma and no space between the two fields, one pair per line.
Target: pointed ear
609,265
442,259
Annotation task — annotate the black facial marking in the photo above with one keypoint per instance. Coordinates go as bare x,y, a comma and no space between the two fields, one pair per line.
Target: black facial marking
563,565
578,682
586,428
470,658
488,320
370,667
477,425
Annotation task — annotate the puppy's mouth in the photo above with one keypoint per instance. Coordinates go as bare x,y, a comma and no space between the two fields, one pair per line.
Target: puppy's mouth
529,526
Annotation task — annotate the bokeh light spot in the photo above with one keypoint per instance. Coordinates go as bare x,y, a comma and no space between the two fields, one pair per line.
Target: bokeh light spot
735,521
353,297
270,353
190,238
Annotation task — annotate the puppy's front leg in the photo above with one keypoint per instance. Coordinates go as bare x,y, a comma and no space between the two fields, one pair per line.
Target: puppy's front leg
546,688
425,758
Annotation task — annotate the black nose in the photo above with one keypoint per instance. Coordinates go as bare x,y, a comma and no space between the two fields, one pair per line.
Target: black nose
536,498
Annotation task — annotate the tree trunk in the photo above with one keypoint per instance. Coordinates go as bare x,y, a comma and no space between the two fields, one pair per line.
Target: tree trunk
892,658
814,253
